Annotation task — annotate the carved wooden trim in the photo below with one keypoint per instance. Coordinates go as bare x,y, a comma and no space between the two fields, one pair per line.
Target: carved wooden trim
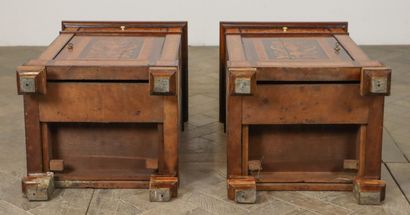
31,80
242,81
375,81
162,81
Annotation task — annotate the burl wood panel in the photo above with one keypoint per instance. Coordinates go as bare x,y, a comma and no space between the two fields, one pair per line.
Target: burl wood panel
101,151
100,102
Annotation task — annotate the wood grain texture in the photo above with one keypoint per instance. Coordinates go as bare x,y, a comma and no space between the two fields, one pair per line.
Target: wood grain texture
306,104
303,187
325,73
170,50
97,73
354,51
103,184
222,75
245,149
361,149
96,151
234,135
306,177
55,47
87,102
46,146
235,48
283,147
33,134
171,135
374,132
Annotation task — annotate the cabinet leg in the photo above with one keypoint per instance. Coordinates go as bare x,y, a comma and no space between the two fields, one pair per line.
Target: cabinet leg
38,186
242,189
369,191
163,188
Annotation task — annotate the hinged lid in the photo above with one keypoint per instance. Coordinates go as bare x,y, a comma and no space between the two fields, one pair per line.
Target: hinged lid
287,51
114,50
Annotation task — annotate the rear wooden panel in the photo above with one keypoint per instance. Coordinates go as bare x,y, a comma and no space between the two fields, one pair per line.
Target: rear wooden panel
95,151
305,148
306,104
100,102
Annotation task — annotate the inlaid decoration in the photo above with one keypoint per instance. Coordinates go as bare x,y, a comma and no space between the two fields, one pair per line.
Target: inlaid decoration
108,47
287,48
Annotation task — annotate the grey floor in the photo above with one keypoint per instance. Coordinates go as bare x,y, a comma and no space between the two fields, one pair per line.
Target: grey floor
202,161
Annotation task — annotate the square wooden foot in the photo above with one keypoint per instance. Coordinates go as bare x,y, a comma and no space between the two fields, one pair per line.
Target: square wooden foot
163,188
369,191
242,189
160,194
39,186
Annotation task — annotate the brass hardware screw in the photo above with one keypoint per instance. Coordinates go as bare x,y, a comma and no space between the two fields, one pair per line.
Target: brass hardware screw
337,48
70,46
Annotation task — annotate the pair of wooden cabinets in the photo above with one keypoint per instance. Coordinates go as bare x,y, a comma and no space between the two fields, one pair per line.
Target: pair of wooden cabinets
105,103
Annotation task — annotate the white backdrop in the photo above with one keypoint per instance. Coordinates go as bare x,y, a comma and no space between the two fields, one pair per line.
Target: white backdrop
37,22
